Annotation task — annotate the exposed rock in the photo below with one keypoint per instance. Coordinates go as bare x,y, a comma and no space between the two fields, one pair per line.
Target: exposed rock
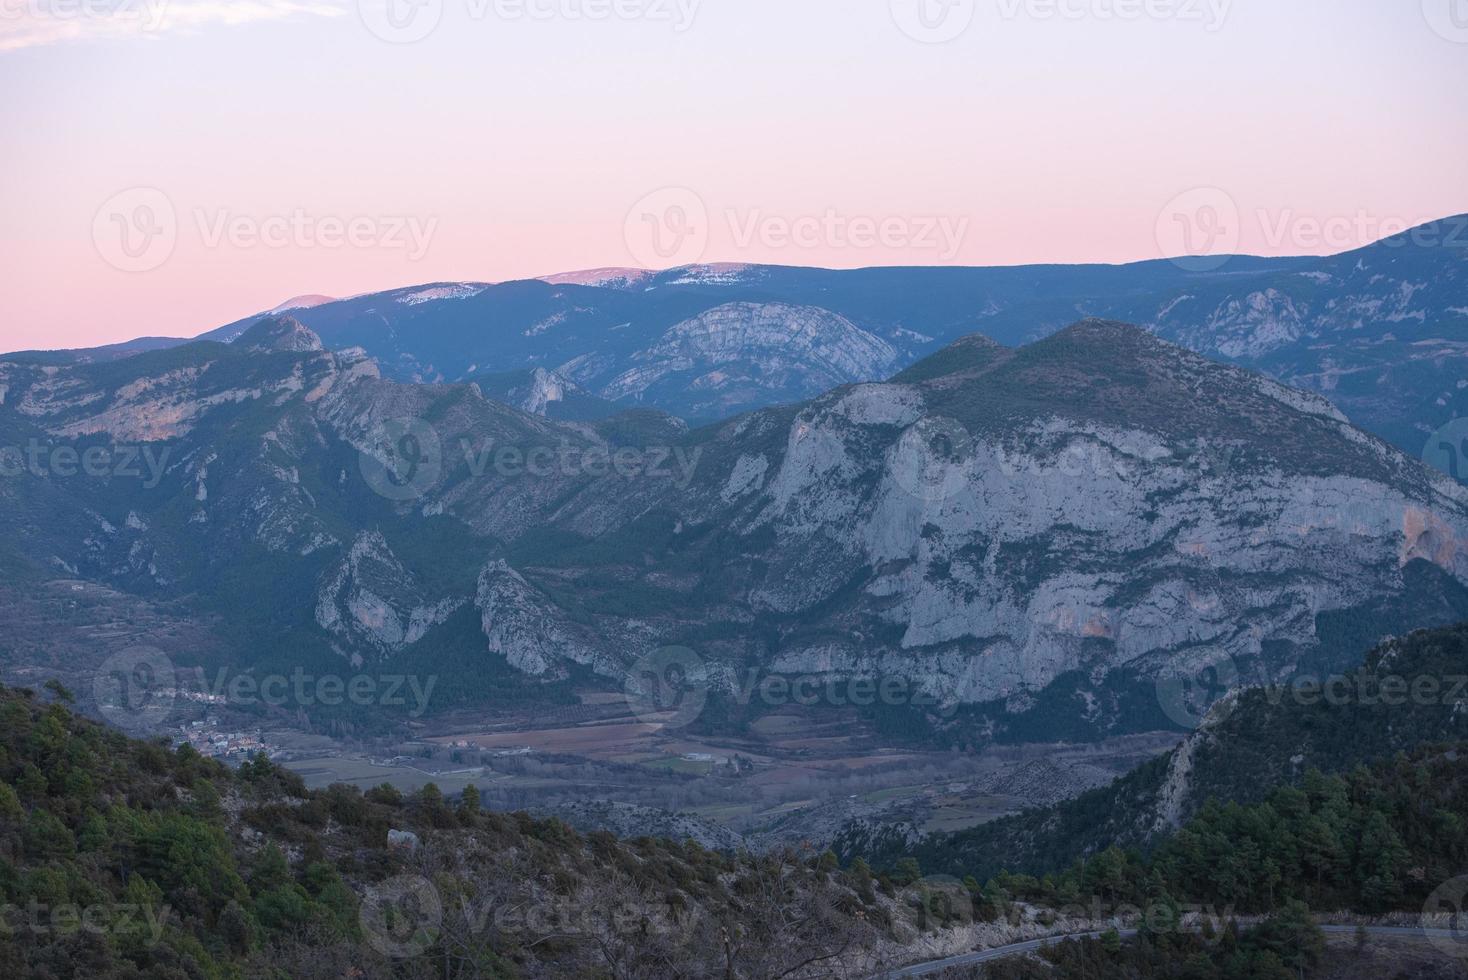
371,600
279,334
526,628
779,348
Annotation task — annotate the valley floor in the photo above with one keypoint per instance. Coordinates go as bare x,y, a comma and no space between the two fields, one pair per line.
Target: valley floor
793,777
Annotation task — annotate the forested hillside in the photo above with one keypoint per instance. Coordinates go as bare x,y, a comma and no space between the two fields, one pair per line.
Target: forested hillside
124,858
1409,692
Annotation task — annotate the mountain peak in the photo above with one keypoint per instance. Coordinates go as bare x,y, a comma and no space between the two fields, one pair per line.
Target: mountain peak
965,355
279,333
1091,343
1107,335
306,302
1094,328
615,277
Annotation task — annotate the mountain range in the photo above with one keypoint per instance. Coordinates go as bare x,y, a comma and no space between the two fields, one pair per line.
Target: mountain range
1027,533
1380,330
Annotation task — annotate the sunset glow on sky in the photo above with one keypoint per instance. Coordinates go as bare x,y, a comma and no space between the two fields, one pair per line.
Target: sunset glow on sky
323,146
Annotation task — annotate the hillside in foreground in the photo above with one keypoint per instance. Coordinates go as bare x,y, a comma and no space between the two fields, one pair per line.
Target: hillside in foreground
1409,692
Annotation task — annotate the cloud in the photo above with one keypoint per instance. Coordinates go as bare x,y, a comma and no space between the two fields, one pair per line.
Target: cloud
36,23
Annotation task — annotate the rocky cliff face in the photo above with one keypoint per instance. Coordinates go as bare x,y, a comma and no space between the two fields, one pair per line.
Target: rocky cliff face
370,602
549,394
784,352
1095,508
1098,501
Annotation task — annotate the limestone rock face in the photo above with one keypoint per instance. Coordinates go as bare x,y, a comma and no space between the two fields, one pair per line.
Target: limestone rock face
279,334
527,629
1100,502
370,600
782,350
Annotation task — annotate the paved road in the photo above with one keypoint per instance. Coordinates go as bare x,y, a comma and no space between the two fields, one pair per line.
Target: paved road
1000,952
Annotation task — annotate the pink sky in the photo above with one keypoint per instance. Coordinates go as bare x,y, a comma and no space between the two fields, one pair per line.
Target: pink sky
282,148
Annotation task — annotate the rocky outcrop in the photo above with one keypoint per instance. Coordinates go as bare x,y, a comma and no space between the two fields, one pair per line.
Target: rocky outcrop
279,334
369,601
780,349
544,388
527,629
